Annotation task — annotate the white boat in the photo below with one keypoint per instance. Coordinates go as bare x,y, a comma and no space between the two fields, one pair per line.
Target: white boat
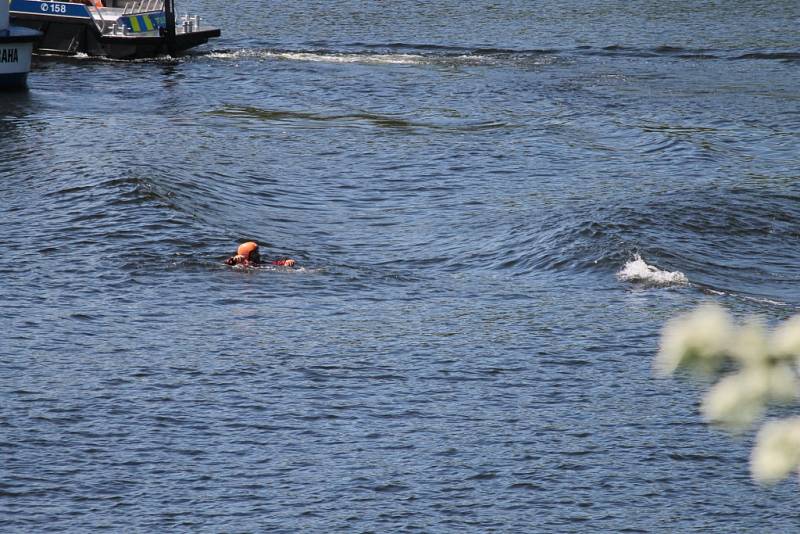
16,45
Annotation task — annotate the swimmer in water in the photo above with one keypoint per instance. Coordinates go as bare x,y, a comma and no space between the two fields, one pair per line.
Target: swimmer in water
248,255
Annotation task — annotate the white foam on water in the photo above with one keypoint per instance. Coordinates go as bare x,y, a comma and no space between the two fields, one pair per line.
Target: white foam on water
637,270
77,55
765,300
371,58
280,269
388,59
83,56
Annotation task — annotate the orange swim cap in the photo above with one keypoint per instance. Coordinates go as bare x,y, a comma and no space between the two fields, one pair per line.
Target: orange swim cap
245,249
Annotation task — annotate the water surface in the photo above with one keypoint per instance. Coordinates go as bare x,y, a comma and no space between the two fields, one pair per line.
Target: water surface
461,185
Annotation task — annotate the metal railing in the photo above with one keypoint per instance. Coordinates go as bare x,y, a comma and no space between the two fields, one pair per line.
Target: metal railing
142,6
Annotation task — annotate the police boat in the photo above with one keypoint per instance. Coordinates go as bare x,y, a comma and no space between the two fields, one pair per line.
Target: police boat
117,29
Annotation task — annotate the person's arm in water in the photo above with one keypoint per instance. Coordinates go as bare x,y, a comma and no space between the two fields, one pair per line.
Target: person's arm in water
238,259
241,260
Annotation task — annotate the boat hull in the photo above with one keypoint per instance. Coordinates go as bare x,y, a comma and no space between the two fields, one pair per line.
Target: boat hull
16,45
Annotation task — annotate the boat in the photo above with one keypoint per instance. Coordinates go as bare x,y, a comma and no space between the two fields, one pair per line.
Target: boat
117,29
16,46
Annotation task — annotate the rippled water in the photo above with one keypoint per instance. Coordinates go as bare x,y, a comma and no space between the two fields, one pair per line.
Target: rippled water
495,207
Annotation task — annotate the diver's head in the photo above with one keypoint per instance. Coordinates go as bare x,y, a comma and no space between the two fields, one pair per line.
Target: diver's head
250,251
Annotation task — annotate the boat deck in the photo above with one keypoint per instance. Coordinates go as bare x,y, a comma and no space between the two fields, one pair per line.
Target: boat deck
142,24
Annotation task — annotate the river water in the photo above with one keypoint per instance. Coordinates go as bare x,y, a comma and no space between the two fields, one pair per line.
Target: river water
495,207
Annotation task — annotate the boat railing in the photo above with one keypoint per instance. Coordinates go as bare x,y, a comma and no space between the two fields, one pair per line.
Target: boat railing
142,6
102,24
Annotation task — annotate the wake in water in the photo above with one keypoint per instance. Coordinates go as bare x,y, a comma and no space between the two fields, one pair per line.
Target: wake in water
442,55
82,57
320,56
277,269
397,54
637,270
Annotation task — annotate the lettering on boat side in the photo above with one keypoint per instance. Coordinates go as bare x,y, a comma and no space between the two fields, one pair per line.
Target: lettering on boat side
53,8
9,55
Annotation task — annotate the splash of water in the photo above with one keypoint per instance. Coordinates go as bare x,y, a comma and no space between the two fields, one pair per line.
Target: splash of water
637,270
